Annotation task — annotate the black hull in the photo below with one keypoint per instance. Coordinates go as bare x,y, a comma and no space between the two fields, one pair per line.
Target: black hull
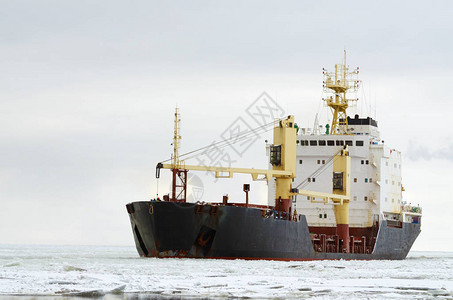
168,229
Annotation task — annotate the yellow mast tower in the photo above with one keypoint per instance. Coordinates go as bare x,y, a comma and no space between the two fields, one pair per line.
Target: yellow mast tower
339,83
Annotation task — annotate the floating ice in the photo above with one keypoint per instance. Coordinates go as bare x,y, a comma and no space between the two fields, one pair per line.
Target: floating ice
118,273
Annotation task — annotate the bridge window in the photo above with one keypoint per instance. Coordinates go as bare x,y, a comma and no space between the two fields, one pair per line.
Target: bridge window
313,143
330,143
322,143
348,143
340,143
359,143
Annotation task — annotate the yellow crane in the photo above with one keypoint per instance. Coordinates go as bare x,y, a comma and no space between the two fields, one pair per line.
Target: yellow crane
283,160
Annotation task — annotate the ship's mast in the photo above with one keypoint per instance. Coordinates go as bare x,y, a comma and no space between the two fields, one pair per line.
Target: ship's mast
179,183
176,139
339,83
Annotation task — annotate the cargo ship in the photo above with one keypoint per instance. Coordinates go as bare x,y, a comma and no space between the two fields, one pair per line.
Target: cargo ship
334,192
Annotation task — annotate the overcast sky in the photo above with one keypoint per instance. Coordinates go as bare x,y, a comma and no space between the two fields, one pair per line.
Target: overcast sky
88,90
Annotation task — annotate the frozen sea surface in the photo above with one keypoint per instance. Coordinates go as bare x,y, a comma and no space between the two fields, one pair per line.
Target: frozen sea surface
70,272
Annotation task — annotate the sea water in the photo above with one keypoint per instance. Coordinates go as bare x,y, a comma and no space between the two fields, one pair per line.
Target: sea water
71,272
